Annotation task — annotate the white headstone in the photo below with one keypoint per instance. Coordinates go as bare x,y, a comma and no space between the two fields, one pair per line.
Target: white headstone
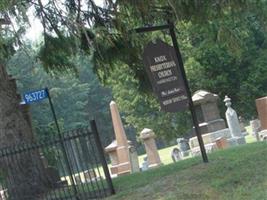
233,124
232,119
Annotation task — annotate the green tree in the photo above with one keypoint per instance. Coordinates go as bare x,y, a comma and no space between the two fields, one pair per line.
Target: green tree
77,97
227,58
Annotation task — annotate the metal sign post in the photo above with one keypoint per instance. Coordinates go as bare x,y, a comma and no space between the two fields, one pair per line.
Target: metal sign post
185,85
191,105
62,144
53,110
38,95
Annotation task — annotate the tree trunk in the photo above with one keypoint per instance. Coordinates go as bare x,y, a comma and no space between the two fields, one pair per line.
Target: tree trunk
26,179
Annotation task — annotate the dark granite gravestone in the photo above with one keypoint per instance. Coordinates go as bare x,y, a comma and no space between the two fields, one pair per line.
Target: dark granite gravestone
207,112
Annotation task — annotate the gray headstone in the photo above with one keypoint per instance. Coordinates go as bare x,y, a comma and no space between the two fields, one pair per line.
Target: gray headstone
207,111
183,144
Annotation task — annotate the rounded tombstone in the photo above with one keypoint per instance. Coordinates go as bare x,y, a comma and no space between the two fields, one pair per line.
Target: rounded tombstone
183,144
176,155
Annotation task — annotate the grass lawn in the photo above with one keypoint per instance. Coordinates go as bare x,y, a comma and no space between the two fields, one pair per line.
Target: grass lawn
238,173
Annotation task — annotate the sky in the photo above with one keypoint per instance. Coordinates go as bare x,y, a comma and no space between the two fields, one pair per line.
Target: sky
35,31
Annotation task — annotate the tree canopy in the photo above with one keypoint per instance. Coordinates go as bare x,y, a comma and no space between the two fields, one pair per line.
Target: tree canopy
223,44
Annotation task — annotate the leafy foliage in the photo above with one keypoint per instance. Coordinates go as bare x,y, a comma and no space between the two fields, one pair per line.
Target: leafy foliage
225,57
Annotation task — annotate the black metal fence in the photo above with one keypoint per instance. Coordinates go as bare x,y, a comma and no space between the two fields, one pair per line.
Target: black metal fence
70,166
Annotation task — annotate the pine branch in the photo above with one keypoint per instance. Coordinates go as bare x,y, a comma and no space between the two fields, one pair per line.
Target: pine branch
4,21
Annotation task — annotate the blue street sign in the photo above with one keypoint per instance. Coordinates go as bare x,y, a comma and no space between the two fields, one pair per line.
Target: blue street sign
34,96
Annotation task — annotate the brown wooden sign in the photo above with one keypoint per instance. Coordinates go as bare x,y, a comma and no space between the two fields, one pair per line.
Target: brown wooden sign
162,67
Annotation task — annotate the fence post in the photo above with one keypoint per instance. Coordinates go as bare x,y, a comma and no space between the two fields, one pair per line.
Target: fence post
101,154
